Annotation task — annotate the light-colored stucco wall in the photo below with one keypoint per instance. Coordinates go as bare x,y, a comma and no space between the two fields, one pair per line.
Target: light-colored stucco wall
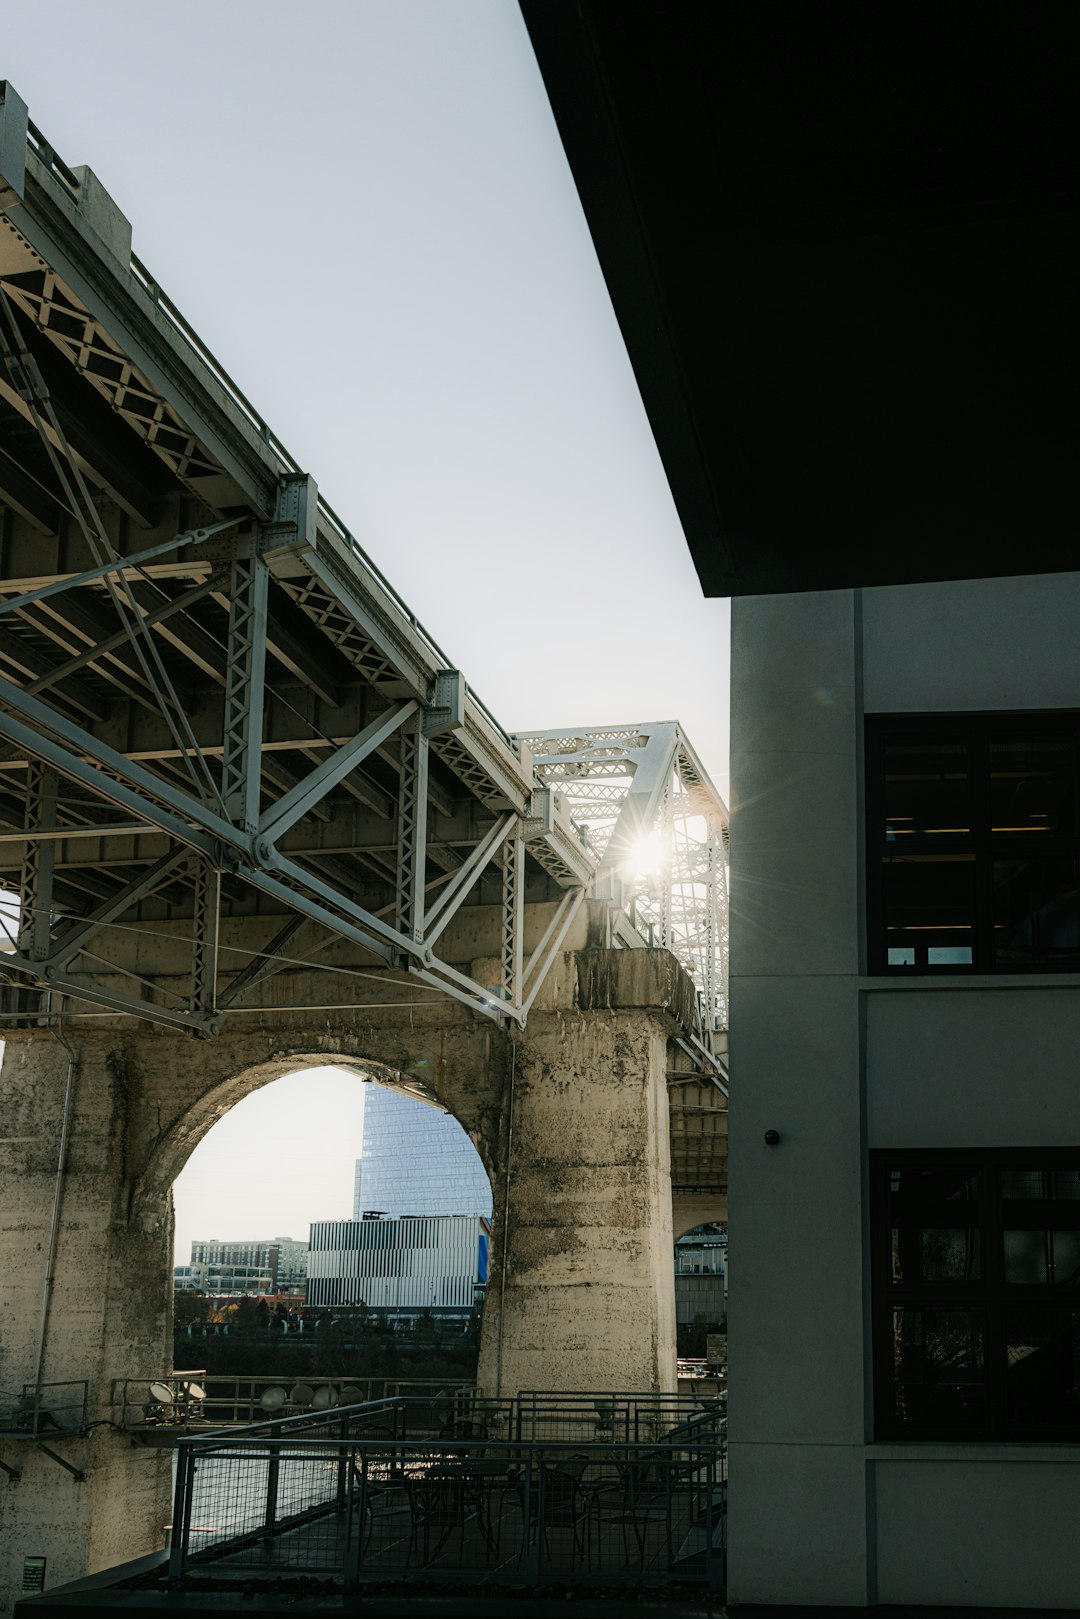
839,1063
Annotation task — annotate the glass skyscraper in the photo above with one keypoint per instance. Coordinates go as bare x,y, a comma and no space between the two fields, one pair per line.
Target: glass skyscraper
416,1160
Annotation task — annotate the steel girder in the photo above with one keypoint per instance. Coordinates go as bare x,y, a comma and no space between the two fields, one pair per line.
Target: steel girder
189,636
658,828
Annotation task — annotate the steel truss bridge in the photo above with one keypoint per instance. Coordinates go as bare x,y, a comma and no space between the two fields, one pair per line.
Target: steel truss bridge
214,707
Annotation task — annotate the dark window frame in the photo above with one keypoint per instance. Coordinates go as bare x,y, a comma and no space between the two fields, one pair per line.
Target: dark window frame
992,1294
978,728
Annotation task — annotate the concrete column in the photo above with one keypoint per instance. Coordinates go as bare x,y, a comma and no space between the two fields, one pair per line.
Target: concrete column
582,1293
107,1314
797,1518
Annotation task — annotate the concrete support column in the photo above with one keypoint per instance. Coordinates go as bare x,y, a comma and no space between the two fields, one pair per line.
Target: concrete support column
107,1313
582,1291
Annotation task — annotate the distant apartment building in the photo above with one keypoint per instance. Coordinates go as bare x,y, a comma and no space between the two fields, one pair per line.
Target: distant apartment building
278,1266
223,1278
400,1267
415,1159
292,1265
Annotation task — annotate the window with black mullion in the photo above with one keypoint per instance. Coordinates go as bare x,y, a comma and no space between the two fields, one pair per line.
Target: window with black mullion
973,836
976,1287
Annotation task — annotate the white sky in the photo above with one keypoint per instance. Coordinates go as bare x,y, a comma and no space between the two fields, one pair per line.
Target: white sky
284,1156
364,209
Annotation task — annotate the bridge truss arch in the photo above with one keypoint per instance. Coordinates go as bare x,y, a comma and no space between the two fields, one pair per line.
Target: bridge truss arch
228,749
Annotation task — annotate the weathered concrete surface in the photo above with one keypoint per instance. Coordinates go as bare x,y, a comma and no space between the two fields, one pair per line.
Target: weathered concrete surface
706,1208
582,1290
108,1314
579,1177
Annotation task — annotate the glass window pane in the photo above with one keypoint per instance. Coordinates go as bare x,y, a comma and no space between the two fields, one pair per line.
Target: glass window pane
936,1254
1065,1258
950,1255
939,1362
927,790
1027,1257
1066,1183
1037,912
903,956
929,902
948,955
934,1220
924,1186
1029,1183
1033,785
1042,1351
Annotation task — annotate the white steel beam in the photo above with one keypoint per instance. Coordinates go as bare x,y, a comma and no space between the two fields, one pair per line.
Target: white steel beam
72,941
412,829
244,691
448,903
539,962
300,799
37,874
207,923
513,915
117,565
81,757
56,981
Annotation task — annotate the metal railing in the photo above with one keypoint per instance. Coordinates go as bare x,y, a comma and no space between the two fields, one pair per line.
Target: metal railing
231,1398
41,1410
355,1494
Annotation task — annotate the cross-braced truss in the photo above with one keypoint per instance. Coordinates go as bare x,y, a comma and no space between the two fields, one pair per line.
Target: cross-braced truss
227,748
658,829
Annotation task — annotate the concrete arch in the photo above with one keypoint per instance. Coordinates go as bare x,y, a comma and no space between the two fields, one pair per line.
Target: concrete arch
689,1211
458,1063
571,1122
171,1153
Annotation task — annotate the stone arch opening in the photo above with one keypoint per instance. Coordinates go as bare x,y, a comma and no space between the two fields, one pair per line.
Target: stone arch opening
464,1099
286,1165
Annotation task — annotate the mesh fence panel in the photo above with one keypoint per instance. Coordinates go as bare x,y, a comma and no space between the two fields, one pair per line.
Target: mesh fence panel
353,1493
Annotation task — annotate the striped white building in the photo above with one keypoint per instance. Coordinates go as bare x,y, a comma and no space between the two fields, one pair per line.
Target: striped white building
430,1262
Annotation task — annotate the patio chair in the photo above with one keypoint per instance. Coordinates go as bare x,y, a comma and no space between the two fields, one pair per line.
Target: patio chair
446,1502
635,1499
558,1501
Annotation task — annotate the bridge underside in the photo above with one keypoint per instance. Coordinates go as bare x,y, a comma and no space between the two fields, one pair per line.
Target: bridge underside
252,818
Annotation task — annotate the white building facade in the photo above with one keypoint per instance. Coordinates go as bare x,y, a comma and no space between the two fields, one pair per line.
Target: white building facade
402,1266
905,1412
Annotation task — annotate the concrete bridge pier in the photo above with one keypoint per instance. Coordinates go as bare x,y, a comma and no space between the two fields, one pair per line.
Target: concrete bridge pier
99,1318
581,1294
571,1120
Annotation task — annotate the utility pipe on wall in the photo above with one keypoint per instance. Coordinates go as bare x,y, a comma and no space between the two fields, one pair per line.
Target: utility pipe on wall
54,1227
505,1225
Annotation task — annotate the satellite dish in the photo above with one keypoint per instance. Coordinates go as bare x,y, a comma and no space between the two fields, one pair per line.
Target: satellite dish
323,1398
161,1394
351,1395
195,1391
301,1394
273,1398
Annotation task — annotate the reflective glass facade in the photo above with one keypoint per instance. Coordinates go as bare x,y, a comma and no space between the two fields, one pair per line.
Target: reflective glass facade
415,1160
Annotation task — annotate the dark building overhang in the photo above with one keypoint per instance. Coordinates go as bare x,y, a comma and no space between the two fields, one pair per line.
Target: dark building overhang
843,245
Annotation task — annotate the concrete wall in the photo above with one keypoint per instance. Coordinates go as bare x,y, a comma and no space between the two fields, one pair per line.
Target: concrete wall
839,1063
582,1288
581,1249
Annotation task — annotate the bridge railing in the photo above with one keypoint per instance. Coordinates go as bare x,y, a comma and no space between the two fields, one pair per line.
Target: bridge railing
43,1409
352,1494
197,1400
